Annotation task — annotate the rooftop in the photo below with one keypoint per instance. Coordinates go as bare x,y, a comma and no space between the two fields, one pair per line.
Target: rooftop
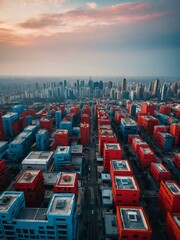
2,143
66,179
146,150
165,134
128,122
30,127
28,176
7,200
32,214
38,157
76,149
173,188
9,115
112,146
120,165
61,205
42,131
177,220
159,167
107,196
133,218
62,149
110,225
21,137
125,183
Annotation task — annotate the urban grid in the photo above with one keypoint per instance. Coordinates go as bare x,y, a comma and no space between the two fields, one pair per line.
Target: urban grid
101,163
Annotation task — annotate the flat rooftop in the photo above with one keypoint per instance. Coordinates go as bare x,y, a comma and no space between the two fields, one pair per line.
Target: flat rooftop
173,188
120,165
128,122
159,167
149,117
62,149
177,220
66,179
133,218
76,149
30,128
32,214
146,150
7,200
40,155
50,178
110,224
42,131
125,183
2,143
112,146
28,176
107,196
61,205
9,115
20,137
165,134
61,131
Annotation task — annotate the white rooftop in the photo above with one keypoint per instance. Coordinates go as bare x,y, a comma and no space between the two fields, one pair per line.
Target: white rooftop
173,188
125,183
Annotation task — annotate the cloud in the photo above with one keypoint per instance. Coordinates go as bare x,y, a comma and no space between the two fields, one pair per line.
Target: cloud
77,18
92,5
43,2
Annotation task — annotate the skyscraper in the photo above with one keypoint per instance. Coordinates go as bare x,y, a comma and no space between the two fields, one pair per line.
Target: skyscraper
155,88
124,86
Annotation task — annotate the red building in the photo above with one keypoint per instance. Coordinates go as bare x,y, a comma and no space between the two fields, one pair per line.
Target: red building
146,156
46,123
120,168
106,138
61,137
86,110
147,122
165,110
159,172
31,182
177,160
169,197
66,183
2,135
173,226
148,109
84,133
175,131
137,143
85,118
3,176
111,151
132,223
130,138
125,191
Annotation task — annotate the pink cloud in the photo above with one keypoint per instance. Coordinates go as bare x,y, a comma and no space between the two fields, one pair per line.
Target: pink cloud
92,5
77,18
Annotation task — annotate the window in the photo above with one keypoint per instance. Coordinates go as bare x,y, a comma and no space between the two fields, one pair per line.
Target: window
25,231
124,236
144,237
31,231
41,232
135,236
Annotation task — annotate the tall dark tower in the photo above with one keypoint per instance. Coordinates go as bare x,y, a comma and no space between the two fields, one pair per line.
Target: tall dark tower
124,86
155,88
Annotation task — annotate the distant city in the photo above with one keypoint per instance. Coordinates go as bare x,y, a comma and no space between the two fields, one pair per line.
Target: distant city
12,89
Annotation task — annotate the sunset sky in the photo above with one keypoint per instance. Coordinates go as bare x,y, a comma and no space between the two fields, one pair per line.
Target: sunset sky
79,37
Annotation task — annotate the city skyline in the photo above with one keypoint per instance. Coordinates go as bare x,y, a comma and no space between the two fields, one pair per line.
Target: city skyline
89,38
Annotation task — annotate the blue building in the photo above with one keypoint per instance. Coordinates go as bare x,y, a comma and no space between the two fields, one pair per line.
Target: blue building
3,148
167,140
163,118
58,221
42,140
7,120
19,147
58,118
29,120
133,110
66,125
18,109
62,158
128,127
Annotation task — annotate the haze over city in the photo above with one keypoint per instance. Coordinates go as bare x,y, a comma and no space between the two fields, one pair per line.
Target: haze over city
84,38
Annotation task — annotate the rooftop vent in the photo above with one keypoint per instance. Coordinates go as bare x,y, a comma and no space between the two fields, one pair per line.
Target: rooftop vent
27,176
132,216
67,178
4,200
60,204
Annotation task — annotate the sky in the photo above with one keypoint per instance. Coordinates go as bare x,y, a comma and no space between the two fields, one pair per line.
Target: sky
90,38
